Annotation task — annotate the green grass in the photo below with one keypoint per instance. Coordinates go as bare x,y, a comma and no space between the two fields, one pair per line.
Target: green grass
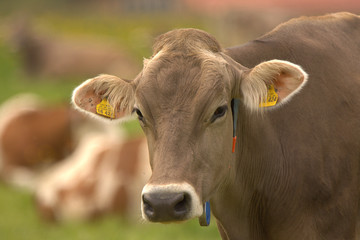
19,221
134,32
18,217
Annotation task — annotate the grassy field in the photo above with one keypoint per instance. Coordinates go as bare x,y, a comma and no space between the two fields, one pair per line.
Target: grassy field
18,217
19,221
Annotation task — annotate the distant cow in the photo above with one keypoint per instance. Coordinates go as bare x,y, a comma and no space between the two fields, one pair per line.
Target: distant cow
54,56
295,170
104,175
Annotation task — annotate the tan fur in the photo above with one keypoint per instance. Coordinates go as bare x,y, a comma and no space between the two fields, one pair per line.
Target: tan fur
190,40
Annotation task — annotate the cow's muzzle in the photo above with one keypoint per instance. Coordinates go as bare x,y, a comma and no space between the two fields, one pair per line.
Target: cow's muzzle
171,202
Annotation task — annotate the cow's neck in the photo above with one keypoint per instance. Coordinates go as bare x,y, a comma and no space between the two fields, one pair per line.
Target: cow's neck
241,198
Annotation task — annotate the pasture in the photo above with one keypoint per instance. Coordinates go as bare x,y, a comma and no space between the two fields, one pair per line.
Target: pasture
19,219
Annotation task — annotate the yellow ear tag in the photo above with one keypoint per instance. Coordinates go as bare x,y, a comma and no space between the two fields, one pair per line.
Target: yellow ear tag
272,98
105,109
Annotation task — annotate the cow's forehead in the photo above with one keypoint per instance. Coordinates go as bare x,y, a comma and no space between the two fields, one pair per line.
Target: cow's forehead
182,81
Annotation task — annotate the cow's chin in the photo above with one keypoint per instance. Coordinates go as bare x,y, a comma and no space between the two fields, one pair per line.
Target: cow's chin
168,203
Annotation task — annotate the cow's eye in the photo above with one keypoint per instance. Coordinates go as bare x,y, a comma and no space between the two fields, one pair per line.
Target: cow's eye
139,114
219,112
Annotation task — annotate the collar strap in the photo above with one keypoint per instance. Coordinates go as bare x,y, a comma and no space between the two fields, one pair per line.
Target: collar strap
204,220
235,110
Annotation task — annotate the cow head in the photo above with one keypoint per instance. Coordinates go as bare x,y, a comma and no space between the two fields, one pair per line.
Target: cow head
182,99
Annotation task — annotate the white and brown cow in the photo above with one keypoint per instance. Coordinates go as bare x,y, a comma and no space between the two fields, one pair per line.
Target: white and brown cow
33,136
104,175
295,170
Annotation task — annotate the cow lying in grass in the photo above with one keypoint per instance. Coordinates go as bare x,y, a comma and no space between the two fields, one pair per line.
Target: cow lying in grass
76,168
103,176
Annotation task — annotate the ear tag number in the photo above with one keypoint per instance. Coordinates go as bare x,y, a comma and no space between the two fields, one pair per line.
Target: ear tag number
271,99
204,219
105,109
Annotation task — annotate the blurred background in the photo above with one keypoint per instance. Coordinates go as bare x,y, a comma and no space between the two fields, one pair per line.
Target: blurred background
64,176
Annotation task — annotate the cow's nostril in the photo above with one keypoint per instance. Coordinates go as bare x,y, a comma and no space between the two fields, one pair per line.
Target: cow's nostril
182,206
149,210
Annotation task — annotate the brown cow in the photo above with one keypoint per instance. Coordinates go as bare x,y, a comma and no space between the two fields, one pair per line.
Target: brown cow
104,175
295,170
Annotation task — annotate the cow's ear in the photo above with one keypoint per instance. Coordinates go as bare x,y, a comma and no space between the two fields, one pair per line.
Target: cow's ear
271,83
105,96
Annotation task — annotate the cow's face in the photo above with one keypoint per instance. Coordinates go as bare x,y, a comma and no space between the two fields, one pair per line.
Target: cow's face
182,99
184,107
